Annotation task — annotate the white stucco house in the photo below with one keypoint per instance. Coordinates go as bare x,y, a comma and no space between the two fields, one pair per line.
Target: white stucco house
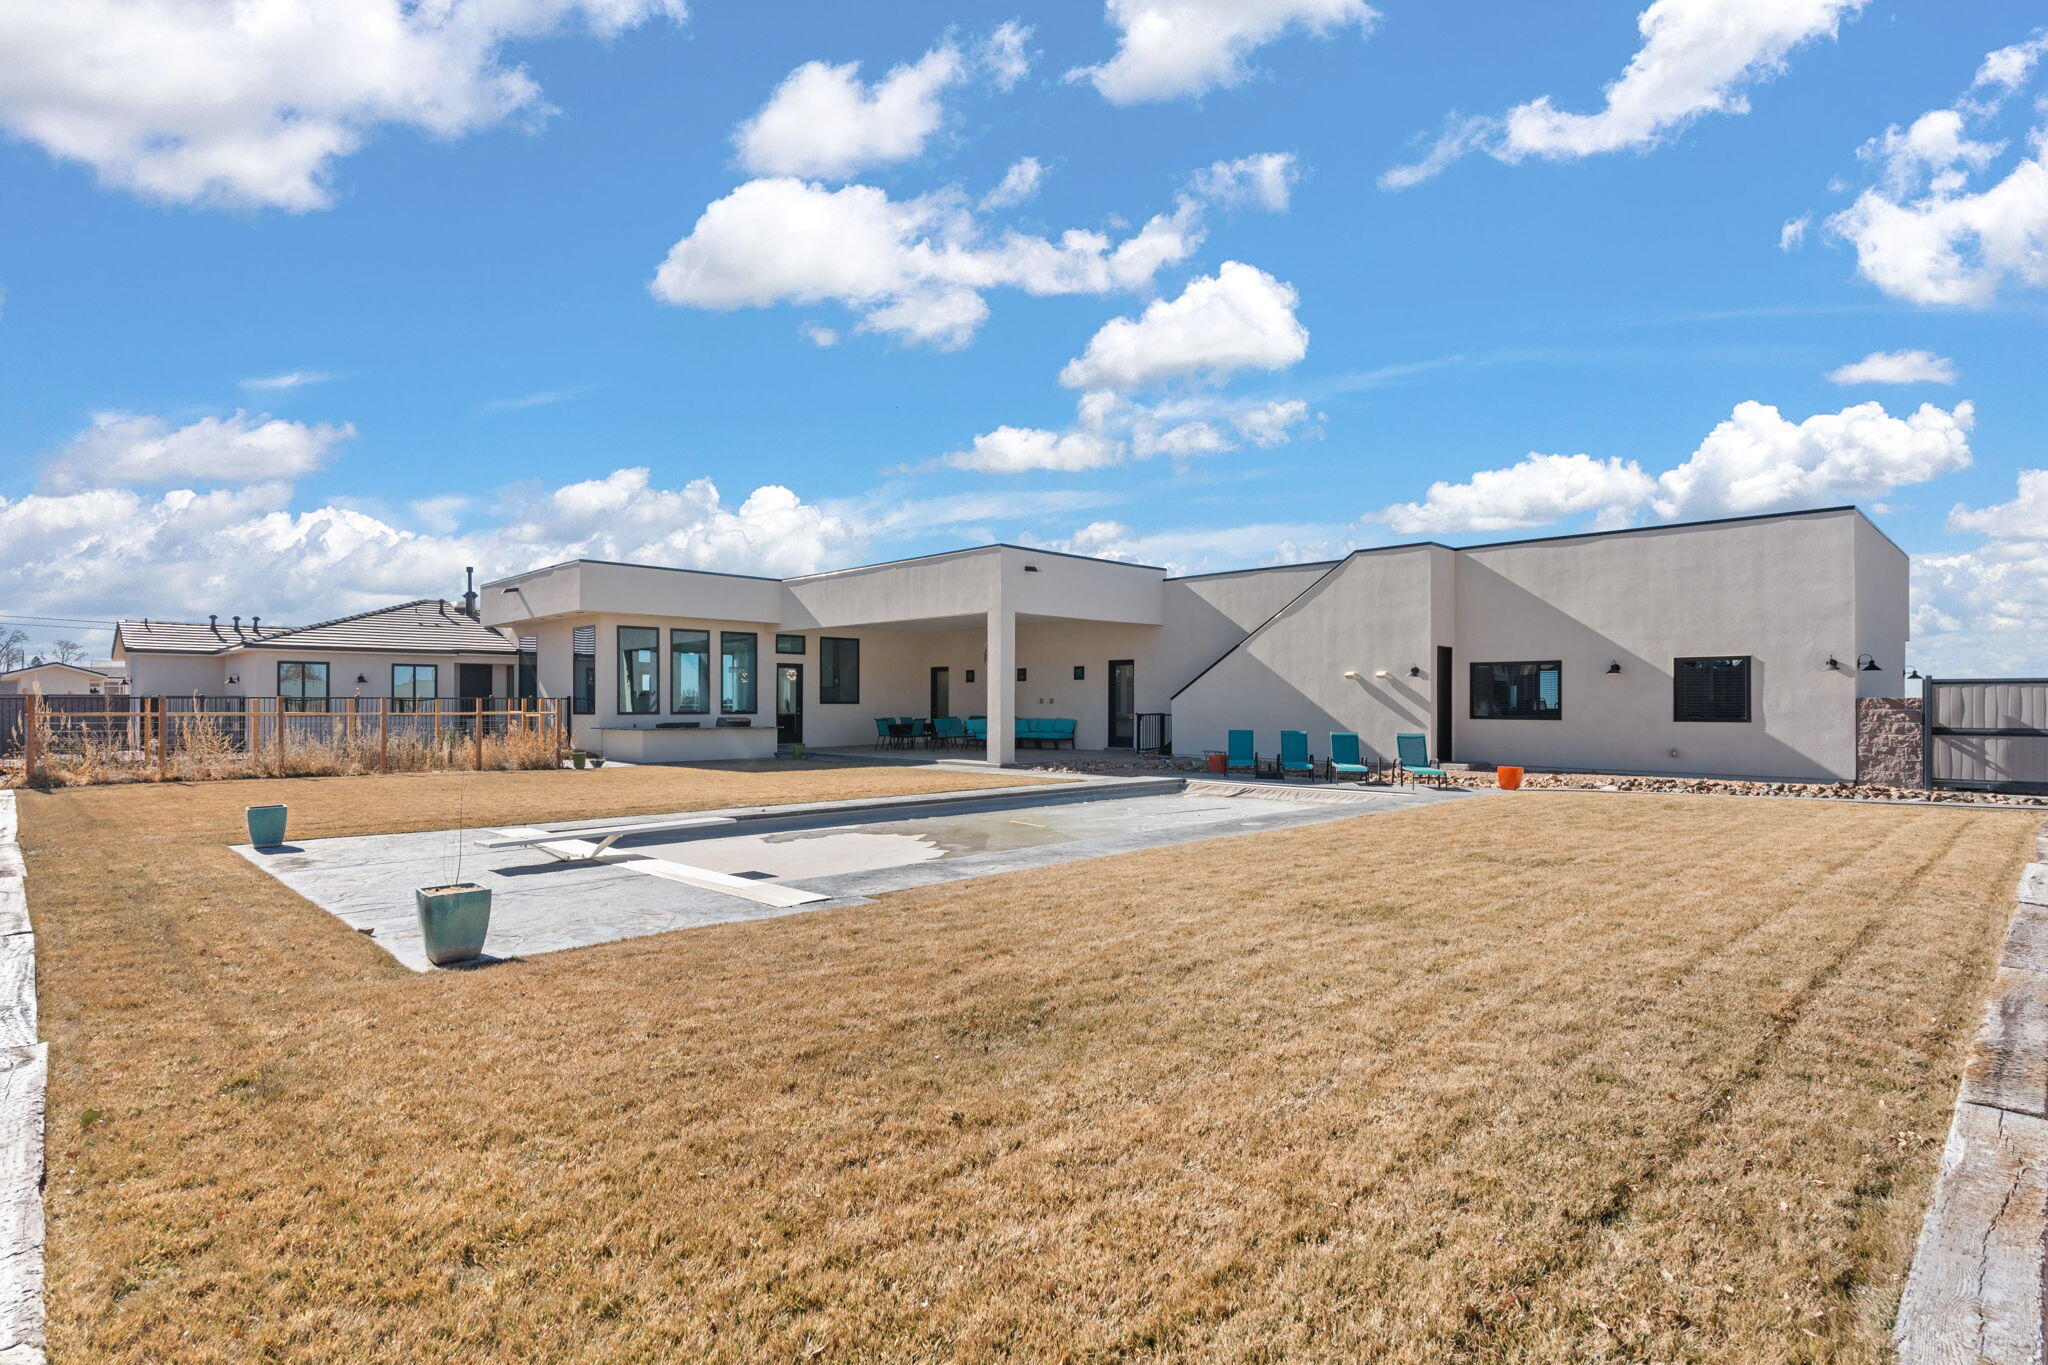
1734,647
52,679
422,649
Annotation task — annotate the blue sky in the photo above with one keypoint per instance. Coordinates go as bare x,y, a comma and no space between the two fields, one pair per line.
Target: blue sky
446,227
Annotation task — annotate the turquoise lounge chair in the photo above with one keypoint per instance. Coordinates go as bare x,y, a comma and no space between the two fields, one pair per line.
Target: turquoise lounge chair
1414,752
1294,756
948,731
1242,753
1345,761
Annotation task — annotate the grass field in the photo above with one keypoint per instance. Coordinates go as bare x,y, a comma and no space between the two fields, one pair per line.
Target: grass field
1541,1077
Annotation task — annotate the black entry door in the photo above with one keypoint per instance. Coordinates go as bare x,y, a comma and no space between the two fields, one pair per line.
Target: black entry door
942,693
473,680
789,703
1443,704
1123,704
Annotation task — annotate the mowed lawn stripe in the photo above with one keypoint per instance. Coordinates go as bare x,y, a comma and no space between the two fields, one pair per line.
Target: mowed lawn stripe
1524,1077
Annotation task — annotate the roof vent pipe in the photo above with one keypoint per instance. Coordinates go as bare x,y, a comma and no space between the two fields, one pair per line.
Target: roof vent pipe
213,620
238,625
255,623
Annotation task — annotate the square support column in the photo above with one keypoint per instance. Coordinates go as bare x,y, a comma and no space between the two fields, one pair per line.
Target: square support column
1002,683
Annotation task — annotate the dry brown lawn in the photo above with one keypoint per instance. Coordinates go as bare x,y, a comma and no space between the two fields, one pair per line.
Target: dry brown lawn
1522,1078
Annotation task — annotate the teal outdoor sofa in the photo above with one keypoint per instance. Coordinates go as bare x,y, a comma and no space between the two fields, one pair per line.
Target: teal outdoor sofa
1044,730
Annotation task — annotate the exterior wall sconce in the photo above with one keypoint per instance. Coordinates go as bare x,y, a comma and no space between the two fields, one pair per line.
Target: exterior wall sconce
234,679
1912,675
1834,664
1030,568
360,679
1415,670
1867,664
1613,667
1380,673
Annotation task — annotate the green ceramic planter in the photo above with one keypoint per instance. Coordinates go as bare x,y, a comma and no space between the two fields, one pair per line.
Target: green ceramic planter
453,921
579,759
266,825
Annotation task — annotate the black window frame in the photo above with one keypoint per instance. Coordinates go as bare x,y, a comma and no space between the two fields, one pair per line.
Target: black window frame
675,672
583,671
726,701
783,646
1080,673
628,704
412,698
1473,690
302,697
838,684
1678,699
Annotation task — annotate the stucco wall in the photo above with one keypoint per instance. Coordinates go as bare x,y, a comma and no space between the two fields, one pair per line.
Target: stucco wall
1784,592
1376,610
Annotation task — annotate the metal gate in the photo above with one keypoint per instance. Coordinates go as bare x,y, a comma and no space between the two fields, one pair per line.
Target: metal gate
1987,734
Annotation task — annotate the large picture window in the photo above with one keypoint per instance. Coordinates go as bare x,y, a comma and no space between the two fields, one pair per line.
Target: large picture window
838,670
639,671
301,686
1710,689
583,671
738,675
689,672
1518,691
413,683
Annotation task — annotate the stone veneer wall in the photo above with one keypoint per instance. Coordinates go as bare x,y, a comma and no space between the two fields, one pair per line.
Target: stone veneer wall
1888,752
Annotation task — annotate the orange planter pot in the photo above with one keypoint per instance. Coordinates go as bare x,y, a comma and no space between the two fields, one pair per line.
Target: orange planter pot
1510,778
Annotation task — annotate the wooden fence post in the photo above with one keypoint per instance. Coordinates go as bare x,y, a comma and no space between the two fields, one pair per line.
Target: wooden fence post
163,739
384,735
28,739
477,739
280,734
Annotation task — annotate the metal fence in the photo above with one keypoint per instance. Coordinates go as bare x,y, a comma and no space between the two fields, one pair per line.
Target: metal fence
1986,734
139,729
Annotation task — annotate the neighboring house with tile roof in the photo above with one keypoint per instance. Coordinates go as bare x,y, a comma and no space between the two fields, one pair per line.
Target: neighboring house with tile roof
424,648
61,680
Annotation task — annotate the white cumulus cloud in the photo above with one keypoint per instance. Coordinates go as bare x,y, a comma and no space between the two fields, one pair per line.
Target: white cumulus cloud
1896,367
1697,57
1537,491
1018,184
824,122
1239,318
1930,230
916,268
1170,48
1014,450
1263,181
119,449
250,104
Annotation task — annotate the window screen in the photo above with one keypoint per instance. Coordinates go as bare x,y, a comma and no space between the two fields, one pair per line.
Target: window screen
1710,689
1518,691
838,670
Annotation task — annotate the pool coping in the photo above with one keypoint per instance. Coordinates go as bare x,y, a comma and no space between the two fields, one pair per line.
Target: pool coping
1978,1286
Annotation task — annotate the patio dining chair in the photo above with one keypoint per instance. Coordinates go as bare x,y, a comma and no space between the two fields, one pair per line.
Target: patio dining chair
1414,755
1243,753
947,731
1294,755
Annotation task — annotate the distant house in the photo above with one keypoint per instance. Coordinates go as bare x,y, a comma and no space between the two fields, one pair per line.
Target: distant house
420,649
62,680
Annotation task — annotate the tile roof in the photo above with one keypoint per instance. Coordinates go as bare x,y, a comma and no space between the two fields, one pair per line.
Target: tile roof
425,626
102,670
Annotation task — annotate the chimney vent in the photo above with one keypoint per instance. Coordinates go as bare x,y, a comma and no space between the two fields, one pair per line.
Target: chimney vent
469,592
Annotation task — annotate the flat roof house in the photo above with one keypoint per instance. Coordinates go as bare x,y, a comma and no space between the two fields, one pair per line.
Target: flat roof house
426,648
1736,647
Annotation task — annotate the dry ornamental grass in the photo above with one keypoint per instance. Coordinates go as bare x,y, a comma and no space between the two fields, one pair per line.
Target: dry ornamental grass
1519,1078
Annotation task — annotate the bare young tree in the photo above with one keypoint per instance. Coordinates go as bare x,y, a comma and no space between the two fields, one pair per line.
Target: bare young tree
67,651
13,653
